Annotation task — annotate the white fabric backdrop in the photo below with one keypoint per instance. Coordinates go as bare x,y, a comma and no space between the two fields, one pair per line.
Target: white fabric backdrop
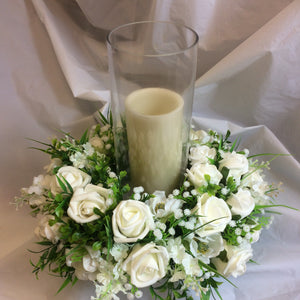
54,76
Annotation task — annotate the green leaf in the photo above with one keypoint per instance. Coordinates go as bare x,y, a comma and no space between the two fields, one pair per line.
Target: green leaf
65,283
266,154
151,291
103,118
111,118
97,246
235,144
275,205
223,256
211,161
231,185
59,212
220,142
122,174
84,138
52,253
254,262
74,281
62,185
209,268
76,236
205,296
44,243
68,185
250,221
177,294
228,133
207,178
258,227
58,198
98,212
52,222
109,240
218,293
224,172
45,144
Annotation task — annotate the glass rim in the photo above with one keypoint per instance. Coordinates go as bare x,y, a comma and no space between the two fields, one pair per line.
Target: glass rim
194,43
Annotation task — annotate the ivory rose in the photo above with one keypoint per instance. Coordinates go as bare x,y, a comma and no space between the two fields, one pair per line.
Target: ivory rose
103,193
87,268
75,177
160,206
254,180
200,135
242,203
146,264
131,221
45,231
54,163
237,164
197,172
83,202
237,256
214,215
201,154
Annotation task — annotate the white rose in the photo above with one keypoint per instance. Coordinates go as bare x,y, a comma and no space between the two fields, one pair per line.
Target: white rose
257,185
197,172
253,178
87,268
237,256
200,135
201,154
45,231
55,162
237,164
242,203
75,177
131,221
161,206
83,202
104,193
146,264
212,208
255,236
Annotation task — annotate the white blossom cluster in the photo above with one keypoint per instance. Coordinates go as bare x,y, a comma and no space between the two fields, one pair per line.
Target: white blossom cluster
186,227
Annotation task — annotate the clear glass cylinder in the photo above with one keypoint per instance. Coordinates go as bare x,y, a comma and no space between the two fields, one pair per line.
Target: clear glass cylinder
152,66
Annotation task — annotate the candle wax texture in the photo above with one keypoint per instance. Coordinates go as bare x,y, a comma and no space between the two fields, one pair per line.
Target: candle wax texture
154,118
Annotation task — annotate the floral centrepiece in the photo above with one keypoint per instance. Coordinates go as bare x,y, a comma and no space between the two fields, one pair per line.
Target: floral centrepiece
94,226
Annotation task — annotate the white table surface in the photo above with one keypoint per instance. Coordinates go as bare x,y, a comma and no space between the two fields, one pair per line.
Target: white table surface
53,75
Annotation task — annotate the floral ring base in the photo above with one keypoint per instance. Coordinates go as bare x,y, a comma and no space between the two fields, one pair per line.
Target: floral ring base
190,239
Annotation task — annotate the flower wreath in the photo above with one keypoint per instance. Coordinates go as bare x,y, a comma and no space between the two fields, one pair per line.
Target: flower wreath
90,229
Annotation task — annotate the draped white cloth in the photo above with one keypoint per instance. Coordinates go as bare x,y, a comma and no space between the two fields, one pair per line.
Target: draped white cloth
54,76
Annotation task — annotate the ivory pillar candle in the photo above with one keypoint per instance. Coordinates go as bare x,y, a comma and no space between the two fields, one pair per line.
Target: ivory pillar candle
154,118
